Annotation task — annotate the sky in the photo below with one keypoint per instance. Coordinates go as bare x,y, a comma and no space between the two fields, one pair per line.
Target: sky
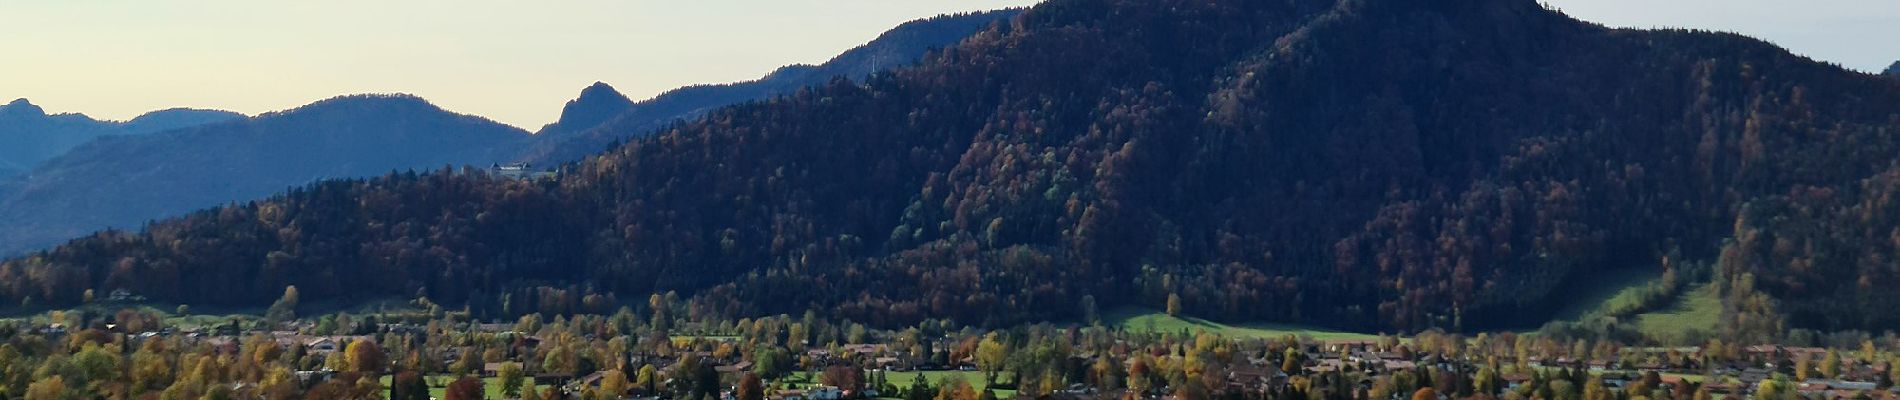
519,61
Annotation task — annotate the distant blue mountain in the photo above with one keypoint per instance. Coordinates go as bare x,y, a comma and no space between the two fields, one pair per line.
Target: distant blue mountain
1894,69
124,181
902,46
29,136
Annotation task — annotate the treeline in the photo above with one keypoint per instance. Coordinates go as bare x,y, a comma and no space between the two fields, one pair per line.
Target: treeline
1377,165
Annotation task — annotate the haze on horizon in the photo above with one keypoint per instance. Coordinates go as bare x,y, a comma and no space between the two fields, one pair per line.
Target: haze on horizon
518,62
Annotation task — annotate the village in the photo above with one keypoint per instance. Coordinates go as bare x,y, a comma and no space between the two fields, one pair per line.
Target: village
657,356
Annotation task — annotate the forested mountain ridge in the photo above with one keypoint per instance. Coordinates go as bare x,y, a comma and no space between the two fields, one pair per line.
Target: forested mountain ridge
29,136
900,46
1380,164
122,182
1894,69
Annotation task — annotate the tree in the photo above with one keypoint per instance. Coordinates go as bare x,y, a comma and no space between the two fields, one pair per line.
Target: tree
1425,394
1138,376
51,388
1192,389
1594,389
466,388
96,366
919,388
956,389
613,384
151,369
285,309
408,385
1090,315
1174,305
771,362
511,378
1487,381
843,377
368,388
1778,388
365,356
1831,365
647,378
991,353
750,388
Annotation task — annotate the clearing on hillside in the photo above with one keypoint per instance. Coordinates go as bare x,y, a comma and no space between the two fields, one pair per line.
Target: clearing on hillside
1698,310
1146,320
1594,294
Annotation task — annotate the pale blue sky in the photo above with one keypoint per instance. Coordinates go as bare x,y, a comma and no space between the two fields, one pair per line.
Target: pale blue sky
518,61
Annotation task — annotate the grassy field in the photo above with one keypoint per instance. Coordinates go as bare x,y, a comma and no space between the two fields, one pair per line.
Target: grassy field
975,378
491,387
1144,320
1698,310
1603,291
802,380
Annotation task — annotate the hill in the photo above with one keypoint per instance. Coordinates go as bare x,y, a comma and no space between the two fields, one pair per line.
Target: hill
29,136
569,141
1365,164
122,182
1894,69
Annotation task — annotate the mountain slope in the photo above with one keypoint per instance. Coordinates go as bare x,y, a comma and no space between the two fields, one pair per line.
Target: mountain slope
28,136
121,182
1380,164
1894,69
903,45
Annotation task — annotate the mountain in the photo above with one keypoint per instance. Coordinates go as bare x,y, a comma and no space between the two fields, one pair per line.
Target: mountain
122,182
596,105
28,136
1379,164
53,195
569,141
1893,69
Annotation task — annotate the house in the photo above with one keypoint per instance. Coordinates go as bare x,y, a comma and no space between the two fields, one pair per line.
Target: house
308,378
1723,388
123,296
891,364
321,345
863,349
1249,377
1512,381
822,393
734,369
1327,365
519,171
552,379
591,380
316,344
